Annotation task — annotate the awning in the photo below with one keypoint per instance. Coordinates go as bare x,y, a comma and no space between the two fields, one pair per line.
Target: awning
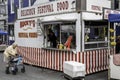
114,17
3,32
58,21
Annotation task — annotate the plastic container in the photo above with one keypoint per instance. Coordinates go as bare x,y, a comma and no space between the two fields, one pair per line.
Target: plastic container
74,69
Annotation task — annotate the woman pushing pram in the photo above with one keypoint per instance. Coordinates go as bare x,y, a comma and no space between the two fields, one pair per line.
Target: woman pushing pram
12,59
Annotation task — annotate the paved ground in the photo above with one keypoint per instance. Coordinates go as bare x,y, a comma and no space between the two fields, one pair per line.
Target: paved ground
34,73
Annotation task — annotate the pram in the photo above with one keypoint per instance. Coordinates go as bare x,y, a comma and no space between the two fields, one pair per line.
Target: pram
16,62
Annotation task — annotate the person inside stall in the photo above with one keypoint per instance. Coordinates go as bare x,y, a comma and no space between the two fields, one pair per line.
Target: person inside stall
68,42
86,37
52,38
118,45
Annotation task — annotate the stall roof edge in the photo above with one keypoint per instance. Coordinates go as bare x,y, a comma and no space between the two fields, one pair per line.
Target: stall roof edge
58,21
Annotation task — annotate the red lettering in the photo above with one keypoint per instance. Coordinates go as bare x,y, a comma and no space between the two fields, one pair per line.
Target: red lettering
62,6
98,8
28,12
108,11
29,23
45,9
116,12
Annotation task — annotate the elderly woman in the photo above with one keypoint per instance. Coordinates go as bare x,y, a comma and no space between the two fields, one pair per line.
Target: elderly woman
9,53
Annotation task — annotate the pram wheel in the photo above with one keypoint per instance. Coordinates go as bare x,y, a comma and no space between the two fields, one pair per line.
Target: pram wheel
23,70
16,69
14,72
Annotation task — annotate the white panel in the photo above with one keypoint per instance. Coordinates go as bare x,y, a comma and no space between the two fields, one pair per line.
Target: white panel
91,16
97,5
78,33
40,2
31,42
69,17
114,70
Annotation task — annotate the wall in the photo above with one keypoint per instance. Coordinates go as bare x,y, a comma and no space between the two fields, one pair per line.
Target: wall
40,2
26,33
12,16
97,5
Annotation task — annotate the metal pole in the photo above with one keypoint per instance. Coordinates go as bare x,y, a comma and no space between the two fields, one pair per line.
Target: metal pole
108,51
78,33
83,33
60,33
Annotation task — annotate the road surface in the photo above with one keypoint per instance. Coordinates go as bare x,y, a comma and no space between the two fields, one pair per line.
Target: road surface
36,73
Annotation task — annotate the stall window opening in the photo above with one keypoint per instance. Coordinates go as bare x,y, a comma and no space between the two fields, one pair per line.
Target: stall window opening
96,34
61,36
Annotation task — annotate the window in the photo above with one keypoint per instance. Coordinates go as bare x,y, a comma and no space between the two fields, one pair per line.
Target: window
21,3
116,4
51,0
65,35
2,25
12,6
68,31
96,35
32,2
11,34
3,9
1,1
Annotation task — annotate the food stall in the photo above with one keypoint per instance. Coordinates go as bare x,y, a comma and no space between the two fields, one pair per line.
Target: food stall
114,20
79,34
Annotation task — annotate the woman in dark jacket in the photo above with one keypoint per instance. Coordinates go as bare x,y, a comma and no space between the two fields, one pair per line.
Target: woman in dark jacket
52,38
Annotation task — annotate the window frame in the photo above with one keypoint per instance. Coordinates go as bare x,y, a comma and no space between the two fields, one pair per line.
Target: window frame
46,26
12,3
98,42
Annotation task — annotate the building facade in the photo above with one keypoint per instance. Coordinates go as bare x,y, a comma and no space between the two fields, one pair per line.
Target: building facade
3,14
3,22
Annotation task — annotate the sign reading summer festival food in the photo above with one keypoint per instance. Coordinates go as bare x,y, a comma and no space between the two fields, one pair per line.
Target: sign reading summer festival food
61,6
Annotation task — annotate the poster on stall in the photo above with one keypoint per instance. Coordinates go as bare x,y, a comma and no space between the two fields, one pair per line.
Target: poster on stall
26,33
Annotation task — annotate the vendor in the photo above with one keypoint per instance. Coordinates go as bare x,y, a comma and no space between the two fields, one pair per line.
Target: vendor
86,37
52,38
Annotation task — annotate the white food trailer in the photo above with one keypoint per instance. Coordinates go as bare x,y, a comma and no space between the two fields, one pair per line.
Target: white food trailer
81,32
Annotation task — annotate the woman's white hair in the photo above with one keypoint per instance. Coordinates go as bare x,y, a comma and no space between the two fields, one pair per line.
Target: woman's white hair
14,44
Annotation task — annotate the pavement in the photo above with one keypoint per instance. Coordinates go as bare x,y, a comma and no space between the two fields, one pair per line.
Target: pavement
37,73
